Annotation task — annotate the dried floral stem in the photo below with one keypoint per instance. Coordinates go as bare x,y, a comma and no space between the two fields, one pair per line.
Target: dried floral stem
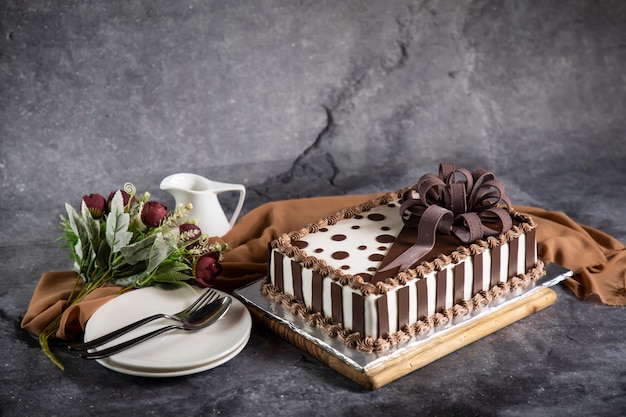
45,335
52,328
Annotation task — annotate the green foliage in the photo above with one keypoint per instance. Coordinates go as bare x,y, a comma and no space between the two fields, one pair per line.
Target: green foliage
117,223
120,249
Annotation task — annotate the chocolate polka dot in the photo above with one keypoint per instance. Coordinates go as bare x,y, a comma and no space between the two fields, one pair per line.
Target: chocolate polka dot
385,228
376,217
344,267
355,227
319,250
358,216
300,244
376,257
366,277
338,238
371,268
391,205
382,248
385,238
362,247
340,255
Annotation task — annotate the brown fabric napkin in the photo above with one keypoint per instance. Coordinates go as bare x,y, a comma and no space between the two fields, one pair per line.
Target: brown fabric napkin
598,260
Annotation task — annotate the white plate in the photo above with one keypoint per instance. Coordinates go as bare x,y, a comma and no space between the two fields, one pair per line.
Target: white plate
173,351
173,373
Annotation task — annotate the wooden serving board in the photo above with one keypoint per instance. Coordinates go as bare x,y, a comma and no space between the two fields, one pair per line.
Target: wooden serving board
373,371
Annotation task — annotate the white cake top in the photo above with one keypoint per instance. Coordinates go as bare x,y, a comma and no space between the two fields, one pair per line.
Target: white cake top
356,245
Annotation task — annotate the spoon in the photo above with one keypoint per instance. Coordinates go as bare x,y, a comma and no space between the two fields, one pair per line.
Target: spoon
204,299
203,317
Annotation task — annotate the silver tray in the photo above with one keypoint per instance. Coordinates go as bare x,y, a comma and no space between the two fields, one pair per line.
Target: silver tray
365,362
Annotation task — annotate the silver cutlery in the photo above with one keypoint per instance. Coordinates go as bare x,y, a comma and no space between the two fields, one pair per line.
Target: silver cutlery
199,319
181,316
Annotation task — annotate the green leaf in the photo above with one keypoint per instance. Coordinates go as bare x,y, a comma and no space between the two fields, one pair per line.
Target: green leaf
71,218
104,251
168,279
171,276
75,243
138,251
117,233
175,265
92,226
82,251
158,253
129,274
128,281
170,270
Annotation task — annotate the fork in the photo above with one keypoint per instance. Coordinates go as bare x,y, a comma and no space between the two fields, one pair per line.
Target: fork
201,301
203,318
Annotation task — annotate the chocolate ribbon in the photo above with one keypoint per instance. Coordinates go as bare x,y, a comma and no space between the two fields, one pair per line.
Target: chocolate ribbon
469,206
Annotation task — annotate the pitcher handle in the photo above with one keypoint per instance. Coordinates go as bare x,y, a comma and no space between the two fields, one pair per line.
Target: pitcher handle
220,187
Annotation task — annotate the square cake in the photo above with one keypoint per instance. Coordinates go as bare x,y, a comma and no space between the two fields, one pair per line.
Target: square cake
378,274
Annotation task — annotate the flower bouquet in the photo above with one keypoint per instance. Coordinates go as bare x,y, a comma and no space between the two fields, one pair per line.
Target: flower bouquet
130,241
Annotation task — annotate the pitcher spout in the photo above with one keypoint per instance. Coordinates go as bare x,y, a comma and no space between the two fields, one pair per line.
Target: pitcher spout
202,194
185,183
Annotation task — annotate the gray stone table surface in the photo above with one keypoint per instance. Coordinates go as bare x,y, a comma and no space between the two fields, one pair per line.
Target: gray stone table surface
566,360
297,99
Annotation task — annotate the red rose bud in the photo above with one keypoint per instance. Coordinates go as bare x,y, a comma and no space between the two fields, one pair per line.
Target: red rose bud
153,213
191,233
125,198
96,204
207,270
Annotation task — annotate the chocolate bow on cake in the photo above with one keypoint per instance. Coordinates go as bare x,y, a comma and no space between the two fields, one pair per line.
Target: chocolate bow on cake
468,206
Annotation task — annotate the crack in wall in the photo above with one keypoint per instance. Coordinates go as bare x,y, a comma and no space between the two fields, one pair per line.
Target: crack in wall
317,160
300,163
305,166
361,78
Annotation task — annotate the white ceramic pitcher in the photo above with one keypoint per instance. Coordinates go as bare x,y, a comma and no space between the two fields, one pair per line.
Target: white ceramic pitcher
202,194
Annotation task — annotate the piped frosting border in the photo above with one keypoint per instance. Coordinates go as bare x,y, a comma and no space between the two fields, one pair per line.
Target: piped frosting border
440,319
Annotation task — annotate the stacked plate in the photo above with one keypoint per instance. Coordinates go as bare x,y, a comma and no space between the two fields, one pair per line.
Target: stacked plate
173,353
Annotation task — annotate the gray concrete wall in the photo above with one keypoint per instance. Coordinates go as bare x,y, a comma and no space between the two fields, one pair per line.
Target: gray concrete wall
306,98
